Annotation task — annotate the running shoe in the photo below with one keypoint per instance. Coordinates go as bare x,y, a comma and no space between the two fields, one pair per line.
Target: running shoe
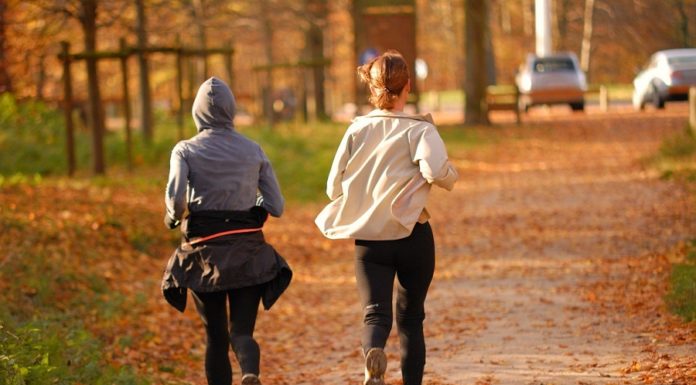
375,366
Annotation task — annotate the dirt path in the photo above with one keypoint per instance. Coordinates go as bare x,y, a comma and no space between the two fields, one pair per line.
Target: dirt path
546,225
551,262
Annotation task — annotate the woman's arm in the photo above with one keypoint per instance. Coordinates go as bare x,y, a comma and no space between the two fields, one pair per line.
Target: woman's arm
429,152
338,167
273,200
175,196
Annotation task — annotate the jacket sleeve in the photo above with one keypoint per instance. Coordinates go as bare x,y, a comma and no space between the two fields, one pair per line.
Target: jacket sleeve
175,195
338,167
429,152
272,200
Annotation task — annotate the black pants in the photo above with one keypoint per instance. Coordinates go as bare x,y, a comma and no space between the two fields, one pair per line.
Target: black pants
412,261
237,329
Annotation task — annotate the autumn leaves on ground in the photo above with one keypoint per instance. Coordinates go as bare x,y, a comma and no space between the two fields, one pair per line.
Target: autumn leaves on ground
554,255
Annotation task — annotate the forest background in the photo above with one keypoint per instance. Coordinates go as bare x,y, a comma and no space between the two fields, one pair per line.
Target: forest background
271,32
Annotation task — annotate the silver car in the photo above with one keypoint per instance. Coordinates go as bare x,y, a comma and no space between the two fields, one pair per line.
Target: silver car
551,79
667,76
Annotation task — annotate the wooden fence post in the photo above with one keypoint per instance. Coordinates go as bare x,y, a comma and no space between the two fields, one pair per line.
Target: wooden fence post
229,64
518,113
126,102
41,78
180,88
692,109
191,82
68,107
603,98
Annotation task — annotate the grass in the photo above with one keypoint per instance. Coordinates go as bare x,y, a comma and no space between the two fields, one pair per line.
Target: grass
32,149
682,296
301,156
52,350
677,160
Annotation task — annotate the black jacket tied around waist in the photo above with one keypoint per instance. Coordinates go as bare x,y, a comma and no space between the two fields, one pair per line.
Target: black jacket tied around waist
225,262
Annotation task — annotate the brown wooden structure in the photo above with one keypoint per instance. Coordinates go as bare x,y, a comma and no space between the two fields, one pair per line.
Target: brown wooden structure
123,54
381,25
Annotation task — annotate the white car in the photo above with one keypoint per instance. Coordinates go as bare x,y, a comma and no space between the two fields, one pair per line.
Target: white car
667,76
551,79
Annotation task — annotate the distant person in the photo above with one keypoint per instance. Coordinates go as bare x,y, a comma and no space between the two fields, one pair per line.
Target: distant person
226,184
379,183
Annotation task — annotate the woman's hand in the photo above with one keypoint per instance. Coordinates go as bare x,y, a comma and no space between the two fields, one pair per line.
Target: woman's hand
170,222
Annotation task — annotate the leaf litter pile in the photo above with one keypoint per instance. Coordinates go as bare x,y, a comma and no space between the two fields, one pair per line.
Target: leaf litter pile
553,252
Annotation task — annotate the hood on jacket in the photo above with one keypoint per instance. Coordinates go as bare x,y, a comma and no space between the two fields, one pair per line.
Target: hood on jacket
214,106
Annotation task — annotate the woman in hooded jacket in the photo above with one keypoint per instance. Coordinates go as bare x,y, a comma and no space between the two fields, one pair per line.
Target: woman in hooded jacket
378,185
226,184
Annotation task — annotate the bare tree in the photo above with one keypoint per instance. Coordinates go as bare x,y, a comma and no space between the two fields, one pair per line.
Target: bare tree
198,9
587,36
144,74
5,80
527,17
476,79
267,38
683,23
505,23
86,12
314,35
560,23
87,15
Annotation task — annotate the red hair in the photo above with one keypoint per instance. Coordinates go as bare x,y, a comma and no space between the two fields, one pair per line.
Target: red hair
386,75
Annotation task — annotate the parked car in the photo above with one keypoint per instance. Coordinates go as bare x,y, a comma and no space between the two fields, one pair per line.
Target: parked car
551,79
667,76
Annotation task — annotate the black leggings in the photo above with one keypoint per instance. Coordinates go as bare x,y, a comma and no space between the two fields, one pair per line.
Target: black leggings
412,260
222,331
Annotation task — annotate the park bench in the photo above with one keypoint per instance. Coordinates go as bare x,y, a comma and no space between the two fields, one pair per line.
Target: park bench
503,98
506,98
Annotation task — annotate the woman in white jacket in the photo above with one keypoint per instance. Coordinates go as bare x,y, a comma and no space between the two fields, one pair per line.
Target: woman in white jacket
378,186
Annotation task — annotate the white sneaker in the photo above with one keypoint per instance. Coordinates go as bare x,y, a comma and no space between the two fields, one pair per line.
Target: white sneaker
375,366
250,379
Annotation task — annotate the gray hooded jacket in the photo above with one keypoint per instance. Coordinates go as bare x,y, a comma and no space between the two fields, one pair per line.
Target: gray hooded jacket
219,169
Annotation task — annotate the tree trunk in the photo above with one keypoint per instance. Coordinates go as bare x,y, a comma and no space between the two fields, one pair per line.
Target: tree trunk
358,38
315,44
88,19
560,24
126,105
527,17
68,109
505,23
267,91
587,37
490,59
199,21
683,23
144,74
476,80
40,77
5,80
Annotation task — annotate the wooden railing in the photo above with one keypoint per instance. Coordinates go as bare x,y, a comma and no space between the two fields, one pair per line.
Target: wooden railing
506,98
503,98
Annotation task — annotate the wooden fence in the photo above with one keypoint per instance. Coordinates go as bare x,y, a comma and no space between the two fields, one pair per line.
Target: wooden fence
122,55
